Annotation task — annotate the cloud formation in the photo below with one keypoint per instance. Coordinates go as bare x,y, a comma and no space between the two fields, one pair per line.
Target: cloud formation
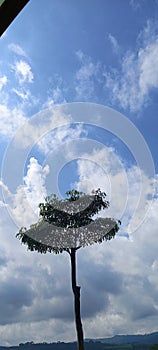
23,72
17,49
114,43
118,278
10,120
121,293
86,77
137,75
114,289
3,82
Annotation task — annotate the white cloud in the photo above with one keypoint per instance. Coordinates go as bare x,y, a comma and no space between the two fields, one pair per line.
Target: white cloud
55,97
86,76
134,310
23,205
59,137
56,93
114,43
17,49
131,84
118,278
148,34
129,261
10,120
124,84
101,168
24,95
135,4
35,182
148,67
2,204
124,298
3,82
23,72
48,130
39,129
24,208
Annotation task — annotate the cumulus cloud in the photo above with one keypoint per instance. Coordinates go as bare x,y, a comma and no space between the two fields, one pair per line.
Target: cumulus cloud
35,181
23,72
32,291
117,278
15,293
104,281
102,168
116,271
121,293
120,278
137,75
135,308
23,205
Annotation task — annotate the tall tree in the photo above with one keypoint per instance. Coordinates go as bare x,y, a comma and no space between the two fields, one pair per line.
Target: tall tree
67,225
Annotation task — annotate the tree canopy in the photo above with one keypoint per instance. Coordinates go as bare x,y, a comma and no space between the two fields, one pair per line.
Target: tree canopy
69,223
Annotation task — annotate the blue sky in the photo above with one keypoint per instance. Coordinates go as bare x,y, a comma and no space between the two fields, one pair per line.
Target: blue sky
78,108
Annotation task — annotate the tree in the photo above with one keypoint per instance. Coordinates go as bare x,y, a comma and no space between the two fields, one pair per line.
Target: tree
67,225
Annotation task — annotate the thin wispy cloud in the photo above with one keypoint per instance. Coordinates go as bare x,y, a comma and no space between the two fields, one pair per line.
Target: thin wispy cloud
3,81
56,96
114,43
132,83
10,121
24,95
136,4
23,72
86,76
17,49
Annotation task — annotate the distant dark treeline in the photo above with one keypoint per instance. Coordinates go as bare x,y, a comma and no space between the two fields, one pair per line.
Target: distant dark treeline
73,346
118,342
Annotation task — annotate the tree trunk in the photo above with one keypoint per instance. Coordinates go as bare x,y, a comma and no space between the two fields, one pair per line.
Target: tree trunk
76,292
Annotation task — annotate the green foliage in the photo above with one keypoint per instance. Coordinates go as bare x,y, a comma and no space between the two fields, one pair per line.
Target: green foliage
74,212
78,213
154,347
34,245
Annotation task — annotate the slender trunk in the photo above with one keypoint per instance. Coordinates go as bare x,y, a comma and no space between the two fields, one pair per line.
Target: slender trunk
76,292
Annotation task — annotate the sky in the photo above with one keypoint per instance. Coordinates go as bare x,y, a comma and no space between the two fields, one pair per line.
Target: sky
78,109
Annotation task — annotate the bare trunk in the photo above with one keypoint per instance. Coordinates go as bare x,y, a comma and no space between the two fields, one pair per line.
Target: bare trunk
76,292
